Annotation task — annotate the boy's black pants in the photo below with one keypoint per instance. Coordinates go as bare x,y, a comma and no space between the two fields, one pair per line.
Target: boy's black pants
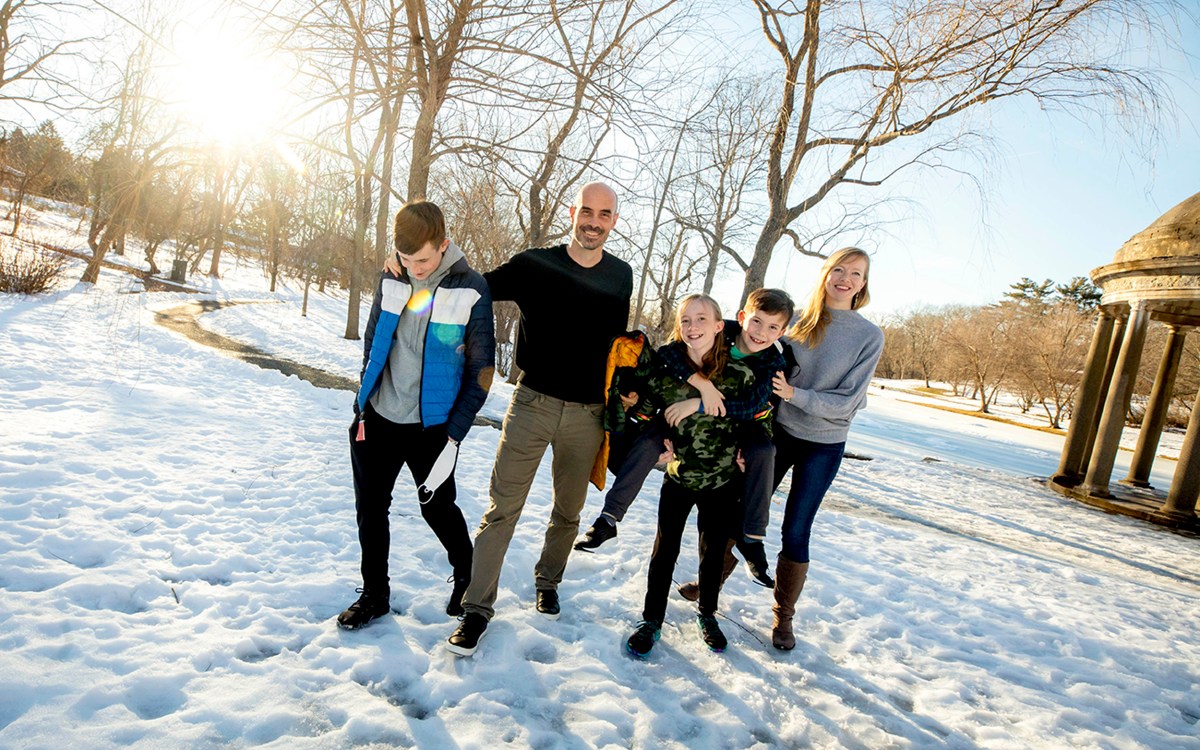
376,462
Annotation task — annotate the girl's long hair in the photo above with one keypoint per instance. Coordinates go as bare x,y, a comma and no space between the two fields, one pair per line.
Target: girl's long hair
809,328
714,360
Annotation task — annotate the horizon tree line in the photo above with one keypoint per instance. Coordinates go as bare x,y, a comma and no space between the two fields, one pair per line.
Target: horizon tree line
1031,345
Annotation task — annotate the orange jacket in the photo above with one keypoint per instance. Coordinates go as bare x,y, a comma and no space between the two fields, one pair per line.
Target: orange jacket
627,350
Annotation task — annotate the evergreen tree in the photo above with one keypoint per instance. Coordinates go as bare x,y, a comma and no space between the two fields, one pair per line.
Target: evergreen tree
1080,292
1028,292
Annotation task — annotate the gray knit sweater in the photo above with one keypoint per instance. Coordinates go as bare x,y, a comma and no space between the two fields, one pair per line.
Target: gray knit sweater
832,378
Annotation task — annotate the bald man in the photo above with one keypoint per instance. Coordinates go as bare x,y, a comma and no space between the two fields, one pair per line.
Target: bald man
574,299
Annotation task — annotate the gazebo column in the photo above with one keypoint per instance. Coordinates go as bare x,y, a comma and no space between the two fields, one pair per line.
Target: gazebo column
1087,401
1181,500
1121,318
1108,435
1156,409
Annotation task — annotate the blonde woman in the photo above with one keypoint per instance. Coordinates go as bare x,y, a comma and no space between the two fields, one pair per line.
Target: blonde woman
836,350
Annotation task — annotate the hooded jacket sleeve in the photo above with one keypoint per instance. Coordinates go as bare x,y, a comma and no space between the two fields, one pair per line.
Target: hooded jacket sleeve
372,320
480,355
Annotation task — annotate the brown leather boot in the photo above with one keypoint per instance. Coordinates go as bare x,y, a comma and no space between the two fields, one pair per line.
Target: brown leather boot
691,589
789,582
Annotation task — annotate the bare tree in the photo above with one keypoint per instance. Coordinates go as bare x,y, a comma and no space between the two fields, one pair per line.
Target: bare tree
135,145
273,217
1188,380
664,174
732,138
977,340
33,162
354,48
434,52
1060,342
227,180
590,61
926,327
858,79
896,361
166,212
29,47
480,218
675,270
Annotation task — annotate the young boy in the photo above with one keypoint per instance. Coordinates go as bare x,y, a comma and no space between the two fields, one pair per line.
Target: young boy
754,335
428,355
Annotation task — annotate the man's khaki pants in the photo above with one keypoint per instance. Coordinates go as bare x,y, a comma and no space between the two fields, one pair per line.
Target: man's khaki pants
534,421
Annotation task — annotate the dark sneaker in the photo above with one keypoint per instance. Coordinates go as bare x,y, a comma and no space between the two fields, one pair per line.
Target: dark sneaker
711,633
601,531
690,590
643,638
756,561
465,639
454,606
368,607
547,603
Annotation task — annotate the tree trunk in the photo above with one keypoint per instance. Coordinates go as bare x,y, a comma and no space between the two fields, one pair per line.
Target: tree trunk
714,254
15,213
756,274
418,171
382,215
362,221
91,274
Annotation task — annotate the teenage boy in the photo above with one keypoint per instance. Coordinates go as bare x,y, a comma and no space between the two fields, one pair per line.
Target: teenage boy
754,338
428,356
574,299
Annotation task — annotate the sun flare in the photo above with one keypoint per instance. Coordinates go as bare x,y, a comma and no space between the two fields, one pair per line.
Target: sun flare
227,85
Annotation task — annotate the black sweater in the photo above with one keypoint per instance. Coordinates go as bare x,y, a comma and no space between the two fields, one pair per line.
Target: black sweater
569,316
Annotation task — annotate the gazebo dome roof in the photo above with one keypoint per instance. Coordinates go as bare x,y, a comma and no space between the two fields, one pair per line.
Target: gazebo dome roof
1175,233
1159,265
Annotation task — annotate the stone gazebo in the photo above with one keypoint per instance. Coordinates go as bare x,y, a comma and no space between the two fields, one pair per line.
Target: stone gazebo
1155,276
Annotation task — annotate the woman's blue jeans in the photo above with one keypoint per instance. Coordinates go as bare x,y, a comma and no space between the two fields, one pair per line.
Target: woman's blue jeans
816,464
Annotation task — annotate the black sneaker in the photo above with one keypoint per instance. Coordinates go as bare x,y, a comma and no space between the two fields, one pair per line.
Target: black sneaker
711,633
547,603
756,561
601,531
643,638
368,607
454,606
465,639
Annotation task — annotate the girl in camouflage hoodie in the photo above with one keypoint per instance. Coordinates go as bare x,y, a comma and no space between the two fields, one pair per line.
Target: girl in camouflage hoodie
701,473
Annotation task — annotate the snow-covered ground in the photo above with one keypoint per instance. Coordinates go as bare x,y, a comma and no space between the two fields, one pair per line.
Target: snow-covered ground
177,535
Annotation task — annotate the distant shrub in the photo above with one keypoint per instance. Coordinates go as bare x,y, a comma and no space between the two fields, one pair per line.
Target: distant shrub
28,270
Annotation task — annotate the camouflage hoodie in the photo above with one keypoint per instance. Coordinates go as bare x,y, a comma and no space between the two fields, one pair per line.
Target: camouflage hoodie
705,446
